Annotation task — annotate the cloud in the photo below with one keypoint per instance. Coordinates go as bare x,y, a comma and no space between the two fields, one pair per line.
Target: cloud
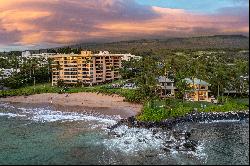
56,22
9,36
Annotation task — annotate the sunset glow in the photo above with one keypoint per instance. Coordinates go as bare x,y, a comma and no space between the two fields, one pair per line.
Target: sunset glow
42,23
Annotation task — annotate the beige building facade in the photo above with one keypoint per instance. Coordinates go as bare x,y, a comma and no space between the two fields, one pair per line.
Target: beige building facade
86,68
200,90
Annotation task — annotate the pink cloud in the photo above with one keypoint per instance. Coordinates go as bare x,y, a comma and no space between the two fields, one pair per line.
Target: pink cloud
26,22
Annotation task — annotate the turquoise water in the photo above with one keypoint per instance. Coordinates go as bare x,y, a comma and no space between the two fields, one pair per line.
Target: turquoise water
44,135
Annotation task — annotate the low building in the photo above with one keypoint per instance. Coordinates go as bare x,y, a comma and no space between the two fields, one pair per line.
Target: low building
26,54
86,68
243,88
199,90
166,88
129,57
6,73
43,57
29,55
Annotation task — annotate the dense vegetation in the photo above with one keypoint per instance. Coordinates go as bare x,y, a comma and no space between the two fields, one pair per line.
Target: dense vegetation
32,71
218,70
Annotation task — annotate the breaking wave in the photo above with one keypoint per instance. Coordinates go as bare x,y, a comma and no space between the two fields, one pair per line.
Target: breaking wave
48,115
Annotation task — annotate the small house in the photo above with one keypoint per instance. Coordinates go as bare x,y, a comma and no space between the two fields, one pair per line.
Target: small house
199,90
166,88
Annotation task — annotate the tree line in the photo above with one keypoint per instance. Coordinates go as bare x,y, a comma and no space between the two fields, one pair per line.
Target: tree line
217,69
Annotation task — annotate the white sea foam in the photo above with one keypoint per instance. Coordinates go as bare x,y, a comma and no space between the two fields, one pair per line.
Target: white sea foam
11,115
220,121
132,140
6,105
200,151
47,115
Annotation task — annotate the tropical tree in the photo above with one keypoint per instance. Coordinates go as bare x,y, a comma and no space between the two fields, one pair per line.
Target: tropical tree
238,71
146,78
218,75
129,69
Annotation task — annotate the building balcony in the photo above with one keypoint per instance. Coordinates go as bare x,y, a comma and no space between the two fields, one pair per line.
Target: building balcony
168,87
86,79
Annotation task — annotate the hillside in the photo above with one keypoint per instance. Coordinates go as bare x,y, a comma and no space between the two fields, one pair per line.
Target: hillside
229,43
206,42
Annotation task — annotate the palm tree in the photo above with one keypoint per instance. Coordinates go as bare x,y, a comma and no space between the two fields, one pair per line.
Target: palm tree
1,74
146,77
218,74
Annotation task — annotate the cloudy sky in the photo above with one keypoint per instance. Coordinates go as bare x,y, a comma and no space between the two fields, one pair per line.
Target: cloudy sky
29,24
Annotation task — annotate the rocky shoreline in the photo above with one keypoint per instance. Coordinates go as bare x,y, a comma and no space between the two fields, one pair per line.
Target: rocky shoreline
181,139
193,117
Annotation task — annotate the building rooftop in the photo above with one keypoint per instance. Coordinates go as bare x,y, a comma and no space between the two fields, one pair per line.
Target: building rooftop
164,79
196,81
86,53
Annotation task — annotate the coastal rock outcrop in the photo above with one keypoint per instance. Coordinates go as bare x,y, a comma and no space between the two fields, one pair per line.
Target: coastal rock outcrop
174,139
193,117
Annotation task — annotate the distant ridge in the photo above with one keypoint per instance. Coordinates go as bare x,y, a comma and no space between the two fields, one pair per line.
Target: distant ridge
195,43
202,42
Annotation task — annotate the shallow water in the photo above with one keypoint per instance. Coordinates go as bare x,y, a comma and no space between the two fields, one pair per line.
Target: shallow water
44,135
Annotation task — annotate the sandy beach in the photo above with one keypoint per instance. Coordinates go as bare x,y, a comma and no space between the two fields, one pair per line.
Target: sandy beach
91,102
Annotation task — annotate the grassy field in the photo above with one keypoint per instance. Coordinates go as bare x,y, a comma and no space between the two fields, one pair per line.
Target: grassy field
157,110
242,100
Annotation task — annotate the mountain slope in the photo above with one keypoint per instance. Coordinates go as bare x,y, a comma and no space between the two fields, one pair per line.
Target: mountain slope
206,42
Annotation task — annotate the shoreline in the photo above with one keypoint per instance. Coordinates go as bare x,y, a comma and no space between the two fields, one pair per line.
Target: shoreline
195,117
79,102
114,105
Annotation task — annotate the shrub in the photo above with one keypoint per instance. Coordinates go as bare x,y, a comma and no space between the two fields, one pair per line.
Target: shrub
156,114
60,83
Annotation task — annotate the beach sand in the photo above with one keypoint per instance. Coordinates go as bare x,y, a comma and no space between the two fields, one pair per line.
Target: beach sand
79,102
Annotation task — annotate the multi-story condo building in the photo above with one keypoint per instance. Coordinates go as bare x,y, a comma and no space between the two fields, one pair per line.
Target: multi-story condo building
86,68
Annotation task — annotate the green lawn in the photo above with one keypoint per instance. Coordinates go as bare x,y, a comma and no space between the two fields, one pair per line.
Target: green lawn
242,100
157,110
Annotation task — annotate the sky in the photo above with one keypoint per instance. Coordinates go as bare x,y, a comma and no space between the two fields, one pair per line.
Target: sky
33,24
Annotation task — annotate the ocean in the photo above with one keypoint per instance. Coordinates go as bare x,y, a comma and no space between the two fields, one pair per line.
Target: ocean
46,135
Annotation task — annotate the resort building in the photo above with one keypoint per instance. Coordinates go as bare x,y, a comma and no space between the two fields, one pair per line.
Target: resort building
166,88
199,90
42,57
29,55
86,68
129,57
